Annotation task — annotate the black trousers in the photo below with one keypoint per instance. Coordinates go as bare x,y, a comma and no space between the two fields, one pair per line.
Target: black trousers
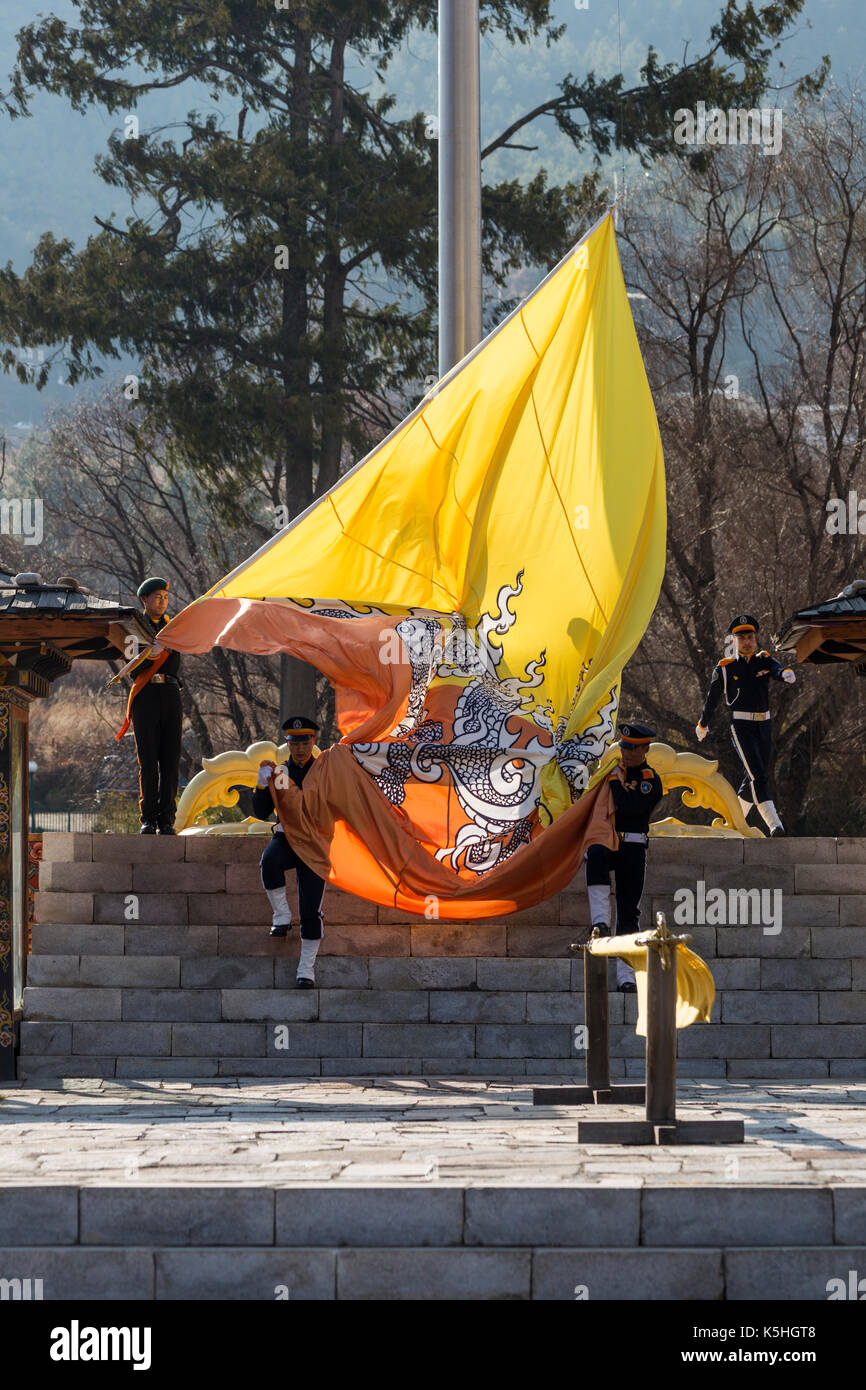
275,863
753,741
157,719
628,865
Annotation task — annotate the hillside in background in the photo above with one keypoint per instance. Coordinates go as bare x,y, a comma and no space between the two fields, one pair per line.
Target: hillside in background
46,162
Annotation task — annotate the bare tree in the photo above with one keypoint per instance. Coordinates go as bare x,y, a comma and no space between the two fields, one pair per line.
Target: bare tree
119,506
812,399
761,261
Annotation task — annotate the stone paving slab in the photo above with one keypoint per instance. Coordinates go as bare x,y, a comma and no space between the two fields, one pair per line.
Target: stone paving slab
421,1131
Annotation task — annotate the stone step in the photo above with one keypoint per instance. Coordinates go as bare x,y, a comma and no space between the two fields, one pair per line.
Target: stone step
282,1005
233,896
315,1273
333,1241
834,977
336,972
104,878
246,849
785,1046
48,1068
213,905
66,1049
795,940
292,1037
37,1068
347,939
393,1214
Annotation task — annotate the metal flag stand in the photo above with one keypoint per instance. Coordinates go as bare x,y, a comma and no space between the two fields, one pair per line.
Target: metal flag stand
598,1089
660,1125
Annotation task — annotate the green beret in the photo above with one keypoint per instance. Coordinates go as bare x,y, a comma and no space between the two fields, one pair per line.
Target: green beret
150,586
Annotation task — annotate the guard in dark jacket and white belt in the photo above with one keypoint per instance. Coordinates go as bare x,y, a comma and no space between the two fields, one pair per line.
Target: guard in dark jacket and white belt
279,857
637,790
155,711
744,682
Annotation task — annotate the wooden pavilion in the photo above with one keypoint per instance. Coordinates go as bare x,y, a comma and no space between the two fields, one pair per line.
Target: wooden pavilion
44,628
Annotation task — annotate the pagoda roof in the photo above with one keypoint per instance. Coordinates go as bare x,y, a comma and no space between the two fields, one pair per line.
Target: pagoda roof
829,631
45,625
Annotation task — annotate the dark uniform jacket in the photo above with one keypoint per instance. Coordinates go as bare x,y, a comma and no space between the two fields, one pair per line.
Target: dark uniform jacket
263,802
153,628
744,682
635,799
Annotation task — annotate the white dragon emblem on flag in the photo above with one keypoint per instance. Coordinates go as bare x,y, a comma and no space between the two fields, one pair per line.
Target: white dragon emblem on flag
496,783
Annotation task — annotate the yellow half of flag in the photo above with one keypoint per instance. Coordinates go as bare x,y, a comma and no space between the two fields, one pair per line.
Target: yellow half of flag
516,521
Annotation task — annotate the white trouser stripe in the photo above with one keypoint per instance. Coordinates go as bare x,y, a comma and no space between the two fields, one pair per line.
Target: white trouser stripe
739,748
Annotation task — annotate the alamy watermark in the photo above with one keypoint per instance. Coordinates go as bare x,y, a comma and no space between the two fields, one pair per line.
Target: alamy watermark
20,1290
853,1289
738,126
22,516
77,1343
846,518
731,907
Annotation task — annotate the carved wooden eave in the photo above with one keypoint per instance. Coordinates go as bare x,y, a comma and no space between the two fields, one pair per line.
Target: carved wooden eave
44,628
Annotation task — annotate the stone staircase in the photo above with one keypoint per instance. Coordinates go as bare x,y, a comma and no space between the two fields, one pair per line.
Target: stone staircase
563,1243
151,958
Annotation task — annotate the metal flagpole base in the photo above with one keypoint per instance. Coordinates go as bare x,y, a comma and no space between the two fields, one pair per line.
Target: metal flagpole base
598,1089
660,1125
643,1132
588,1095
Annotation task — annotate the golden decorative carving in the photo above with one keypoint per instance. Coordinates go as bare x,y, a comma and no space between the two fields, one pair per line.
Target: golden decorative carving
702,786
216,785
699,779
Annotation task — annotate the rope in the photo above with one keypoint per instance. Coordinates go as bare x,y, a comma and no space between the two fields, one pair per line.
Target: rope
619,38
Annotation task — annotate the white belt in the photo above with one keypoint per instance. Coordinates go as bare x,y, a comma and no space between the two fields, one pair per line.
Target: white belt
746,714
634,837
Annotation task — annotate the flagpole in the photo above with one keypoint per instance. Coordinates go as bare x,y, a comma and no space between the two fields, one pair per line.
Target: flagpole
460,327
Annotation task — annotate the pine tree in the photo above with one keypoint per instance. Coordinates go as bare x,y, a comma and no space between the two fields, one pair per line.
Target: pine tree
276,277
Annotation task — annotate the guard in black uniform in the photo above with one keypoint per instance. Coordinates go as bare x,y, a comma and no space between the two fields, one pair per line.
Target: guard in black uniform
156,714
279,857
744,681
637,790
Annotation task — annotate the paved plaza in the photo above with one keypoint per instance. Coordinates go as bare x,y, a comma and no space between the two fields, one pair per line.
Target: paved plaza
427,1131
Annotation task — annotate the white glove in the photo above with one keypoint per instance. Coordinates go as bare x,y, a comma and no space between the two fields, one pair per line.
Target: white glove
264,776
701,732
788,677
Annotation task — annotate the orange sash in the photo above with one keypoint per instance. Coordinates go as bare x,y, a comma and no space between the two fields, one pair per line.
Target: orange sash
139,683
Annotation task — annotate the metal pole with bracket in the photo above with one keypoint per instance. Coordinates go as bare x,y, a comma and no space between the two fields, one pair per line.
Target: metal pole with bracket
598,1089
660,1125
